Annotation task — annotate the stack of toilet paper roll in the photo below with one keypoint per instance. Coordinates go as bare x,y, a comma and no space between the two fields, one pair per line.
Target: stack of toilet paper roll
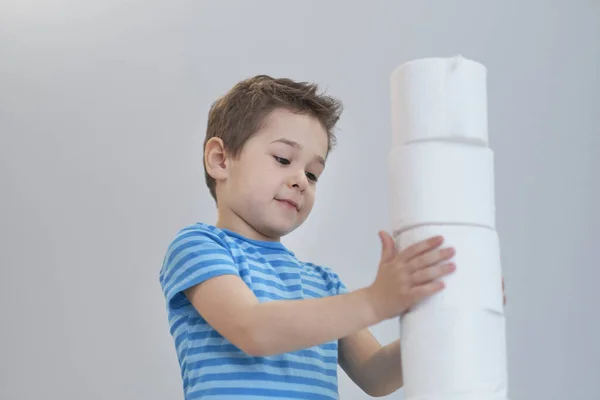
442,181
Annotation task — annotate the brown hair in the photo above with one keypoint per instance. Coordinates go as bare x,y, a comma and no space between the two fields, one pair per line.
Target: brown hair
241,112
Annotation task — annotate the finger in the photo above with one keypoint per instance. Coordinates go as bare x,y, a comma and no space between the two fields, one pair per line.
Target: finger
431,258
388,247
418,293
420,247
425,275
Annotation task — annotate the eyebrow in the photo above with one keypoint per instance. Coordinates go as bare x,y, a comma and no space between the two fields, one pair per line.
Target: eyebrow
296,145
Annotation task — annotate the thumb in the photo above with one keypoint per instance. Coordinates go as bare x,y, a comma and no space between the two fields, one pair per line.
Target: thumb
388,247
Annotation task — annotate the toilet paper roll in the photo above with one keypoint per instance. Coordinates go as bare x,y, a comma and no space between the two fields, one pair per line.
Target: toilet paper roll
453,343
441,183
439,98
477,282
454,353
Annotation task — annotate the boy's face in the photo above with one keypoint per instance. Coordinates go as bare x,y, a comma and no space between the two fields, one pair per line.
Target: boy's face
270,188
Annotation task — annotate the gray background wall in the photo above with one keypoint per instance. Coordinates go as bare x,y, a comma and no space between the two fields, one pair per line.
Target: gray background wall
102,114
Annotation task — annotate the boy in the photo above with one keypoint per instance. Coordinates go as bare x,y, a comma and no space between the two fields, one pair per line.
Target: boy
250,320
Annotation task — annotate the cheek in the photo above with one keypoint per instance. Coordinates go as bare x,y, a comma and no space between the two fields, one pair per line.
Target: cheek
310,199
257,180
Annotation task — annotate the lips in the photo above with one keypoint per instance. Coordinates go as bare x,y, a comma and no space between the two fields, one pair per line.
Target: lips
290,202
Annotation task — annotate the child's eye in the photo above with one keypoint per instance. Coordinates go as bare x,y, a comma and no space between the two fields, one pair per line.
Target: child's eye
312,177
283,161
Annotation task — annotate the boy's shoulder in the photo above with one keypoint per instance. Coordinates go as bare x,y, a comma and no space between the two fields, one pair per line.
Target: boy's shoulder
199,230
200,235
204,239
192,238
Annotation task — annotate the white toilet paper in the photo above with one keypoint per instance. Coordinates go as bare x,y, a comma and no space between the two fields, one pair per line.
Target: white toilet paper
454,353
439,98
453,343
477,282
442,183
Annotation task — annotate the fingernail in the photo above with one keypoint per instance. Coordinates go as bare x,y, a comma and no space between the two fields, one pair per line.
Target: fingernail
436,239
448,251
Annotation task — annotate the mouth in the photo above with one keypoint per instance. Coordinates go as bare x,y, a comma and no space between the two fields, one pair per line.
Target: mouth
289,203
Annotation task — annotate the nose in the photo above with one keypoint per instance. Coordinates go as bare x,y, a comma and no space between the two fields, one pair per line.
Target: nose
298,179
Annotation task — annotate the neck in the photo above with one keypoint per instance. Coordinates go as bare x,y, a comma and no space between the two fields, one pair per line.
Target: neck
228,219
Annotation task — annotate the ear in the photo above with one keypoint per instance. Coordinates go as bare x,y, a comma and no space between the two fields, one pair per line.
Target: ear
215,159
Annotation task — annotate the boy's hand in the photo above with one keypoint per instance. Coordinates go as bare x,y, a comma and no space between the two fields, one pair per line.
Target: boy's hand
404,278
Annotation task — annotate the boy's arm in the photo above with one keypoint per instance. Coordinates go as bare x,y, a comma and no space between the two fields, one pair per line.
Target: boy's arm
376,369
274,327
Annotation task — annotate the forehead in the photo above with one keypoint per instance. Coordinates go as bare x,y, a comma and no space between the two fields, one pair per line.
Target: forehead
302,129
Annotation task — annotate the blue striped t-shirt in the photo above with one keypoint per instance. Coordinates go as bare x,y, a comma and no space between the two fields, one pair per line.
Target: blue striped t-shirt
211,366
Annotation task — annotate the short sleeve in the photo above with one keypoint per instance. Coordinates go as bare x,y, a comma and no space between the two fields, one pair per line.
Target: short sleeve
194,256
